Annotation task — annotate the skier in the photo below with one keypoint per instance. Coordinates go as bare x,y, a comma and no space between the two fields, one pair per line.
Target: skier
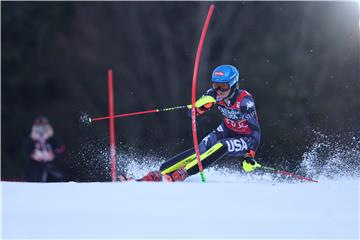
237,136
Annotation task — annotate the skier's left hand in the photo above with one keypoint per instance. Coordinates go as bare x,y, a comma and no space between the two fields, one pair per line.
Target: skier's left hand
249,164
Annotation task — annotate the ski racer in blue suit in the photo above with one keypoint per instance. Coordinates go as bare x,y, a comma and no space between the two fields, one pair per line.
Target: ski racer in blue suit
237,136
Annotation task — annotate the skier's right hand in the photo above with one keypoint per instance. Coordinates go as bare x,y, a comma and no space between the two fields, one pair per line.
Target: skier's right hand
201,110
202,105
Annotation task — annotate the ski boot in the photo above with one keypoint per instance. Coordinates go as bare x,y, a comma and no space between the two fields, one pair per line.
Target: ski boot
178,176
154,176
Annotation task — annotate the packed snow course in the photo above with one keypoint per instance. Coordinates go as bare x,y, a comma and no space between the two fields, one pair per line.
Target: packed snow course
230,204
244,209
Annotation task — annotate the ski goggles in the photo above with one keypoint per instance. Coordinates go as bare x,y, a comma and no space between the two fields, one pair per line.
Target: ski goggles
222,87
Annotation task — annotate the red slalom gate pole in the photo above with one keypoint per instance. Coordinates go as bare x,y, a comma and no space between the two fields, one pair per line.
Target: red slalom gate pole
112,125
193,95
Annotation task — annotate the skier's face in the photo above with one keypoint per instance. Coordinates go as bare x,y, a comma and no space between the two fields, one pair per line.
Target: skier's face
222,89
223,94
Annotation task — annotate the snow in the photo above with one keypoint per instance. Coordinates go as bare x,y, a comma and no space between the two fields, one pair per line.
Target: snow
240,208
231,204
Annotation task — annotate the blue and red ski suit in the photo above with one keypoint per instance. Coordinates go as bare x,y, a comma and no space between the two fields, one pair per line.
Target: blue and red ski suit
240,129
239,132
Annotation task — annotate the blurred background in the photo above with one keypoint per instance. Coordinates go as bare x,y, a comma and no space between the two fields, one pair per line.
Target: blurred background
300,60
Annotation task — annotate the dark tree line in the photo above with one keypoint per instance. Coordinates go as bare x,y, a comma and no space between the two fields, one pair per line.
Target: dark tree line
300,60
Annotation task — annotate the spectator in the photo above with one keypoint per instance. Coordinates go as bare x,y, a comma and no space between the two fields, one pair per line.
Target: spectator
41,148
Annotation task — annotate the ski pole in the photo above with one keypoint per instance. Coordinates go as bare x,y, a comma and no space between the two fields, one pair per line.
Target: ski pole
202,101
138,113
287,173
